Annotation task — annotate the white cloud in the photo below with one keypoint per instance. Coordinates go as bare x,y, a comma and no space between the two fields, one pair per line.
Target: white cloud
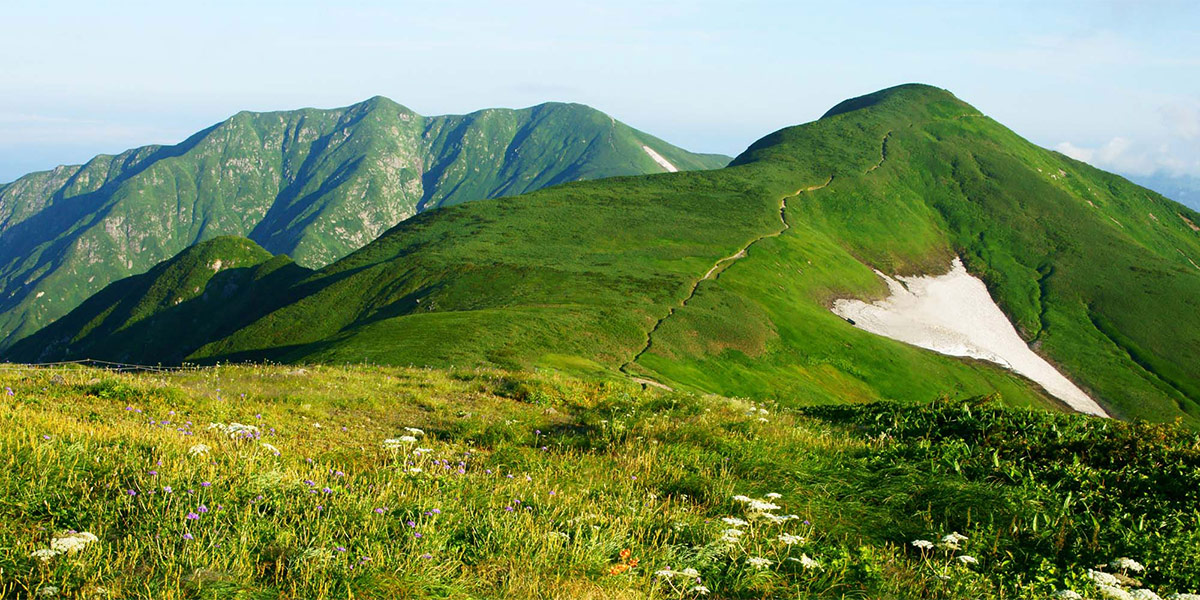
1124,156
1182,119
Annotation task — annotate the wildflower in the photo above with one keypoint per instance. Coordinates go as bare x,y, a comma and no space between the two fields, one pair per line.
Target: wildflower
414,431
131,492
427,556
1114,592
1184,597
380,511
664,573
340,549
734,521
731,535
72,542
202,509
774,496
1066,595
1144,594
192,516
761,506
922,544
952,540
167,489
415,470
743,499
1102,578
967,559
690,573
199,450
46,590
790,539
699,590
759,562
270,448
809,563
1126,564
44,554
187,536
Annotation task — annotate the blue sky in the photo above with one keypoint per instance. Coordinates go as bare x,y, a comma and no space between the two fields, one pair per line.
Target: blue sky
1114,83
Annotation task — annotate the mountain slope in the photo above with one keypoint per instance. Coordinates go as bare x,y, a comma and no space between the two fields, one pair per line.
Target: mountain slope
313,184
720,281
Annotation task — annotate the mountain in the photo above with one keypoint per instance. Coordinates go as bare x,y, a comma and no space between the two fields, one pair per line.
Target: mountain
721,281
313,184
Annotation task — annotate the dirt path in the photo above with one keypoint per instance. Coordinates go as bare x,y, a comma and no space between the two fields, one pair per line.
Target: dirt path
713,273
882,153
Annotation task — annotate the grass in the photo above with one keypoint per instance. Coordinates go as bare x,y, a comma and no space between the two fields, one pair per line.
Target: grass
535,484
1092,270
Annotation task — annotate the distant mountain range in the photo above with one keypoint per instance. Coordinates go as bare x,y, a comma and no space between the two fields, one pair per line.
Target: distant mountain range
312,184
1180,188
716,281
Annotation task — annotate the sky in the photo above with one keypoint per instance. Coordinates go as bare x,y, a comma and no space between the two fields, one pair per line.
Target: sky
1112,83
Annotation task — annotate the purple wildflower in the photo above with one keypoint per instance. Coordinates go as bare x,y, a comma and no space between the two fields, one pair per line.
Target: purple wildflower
192,516
187,536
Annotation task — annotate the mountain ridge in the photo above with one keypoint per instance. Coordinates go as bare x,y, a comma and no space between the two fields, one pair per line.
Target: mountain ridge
312,183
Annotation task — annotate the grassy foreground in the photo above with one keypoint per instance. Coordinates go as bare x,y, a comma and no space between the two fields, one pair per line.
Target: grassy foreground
363,482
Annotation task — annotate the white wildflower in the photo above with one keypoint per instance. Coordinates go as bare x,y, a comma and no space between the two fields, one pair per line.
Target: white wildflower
690,572
422,450
415,470
44,554
199,450
1144,594
774,496
952,540
743,499
699,590
759,562
763,420
1066,595
664,573
776,519
922,544
731,535
763,411
809,563
1114,592
734,521
967,559
72,542
1184,597
1102,578
761,506
415,431
1126,564
270,448
790,539
47,591
397,443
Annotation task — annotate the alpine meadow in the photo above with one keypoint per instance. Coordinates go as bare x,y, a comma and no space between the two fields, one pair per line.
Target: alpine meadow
361,353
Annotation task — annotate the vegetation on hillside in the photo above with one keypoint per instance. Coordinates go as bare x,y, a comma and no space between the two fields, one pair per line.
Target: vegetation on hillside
371,482
608,277
313,184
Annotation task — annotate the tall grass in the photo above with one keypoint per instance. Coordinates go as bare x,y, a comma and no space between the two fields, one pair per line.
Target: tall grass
357,482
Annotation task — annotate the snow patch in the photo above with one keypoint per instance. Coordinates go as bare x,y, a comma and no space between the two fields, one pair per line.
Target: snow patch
662,162
954,314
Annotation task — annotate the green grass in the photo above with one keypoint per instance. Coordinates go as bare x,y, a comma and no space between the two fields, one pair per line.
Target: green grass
312,184
1093,271
603,474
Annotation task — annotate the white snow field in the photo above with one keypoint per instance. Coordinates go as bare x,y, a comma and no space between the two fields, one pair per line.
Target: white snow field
954,314
658,158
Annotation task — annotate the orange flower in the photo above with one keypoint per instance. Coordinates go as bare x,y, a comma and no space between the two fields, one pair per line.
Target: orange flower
624,554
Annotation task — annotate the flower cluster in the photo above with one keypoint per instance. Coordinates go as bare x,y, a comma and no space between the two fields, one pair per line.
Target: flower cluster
67,543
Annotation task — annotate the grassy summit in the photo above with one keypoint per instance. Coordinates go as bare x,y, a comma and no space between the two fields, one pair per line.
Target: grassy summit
719,281
372,482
